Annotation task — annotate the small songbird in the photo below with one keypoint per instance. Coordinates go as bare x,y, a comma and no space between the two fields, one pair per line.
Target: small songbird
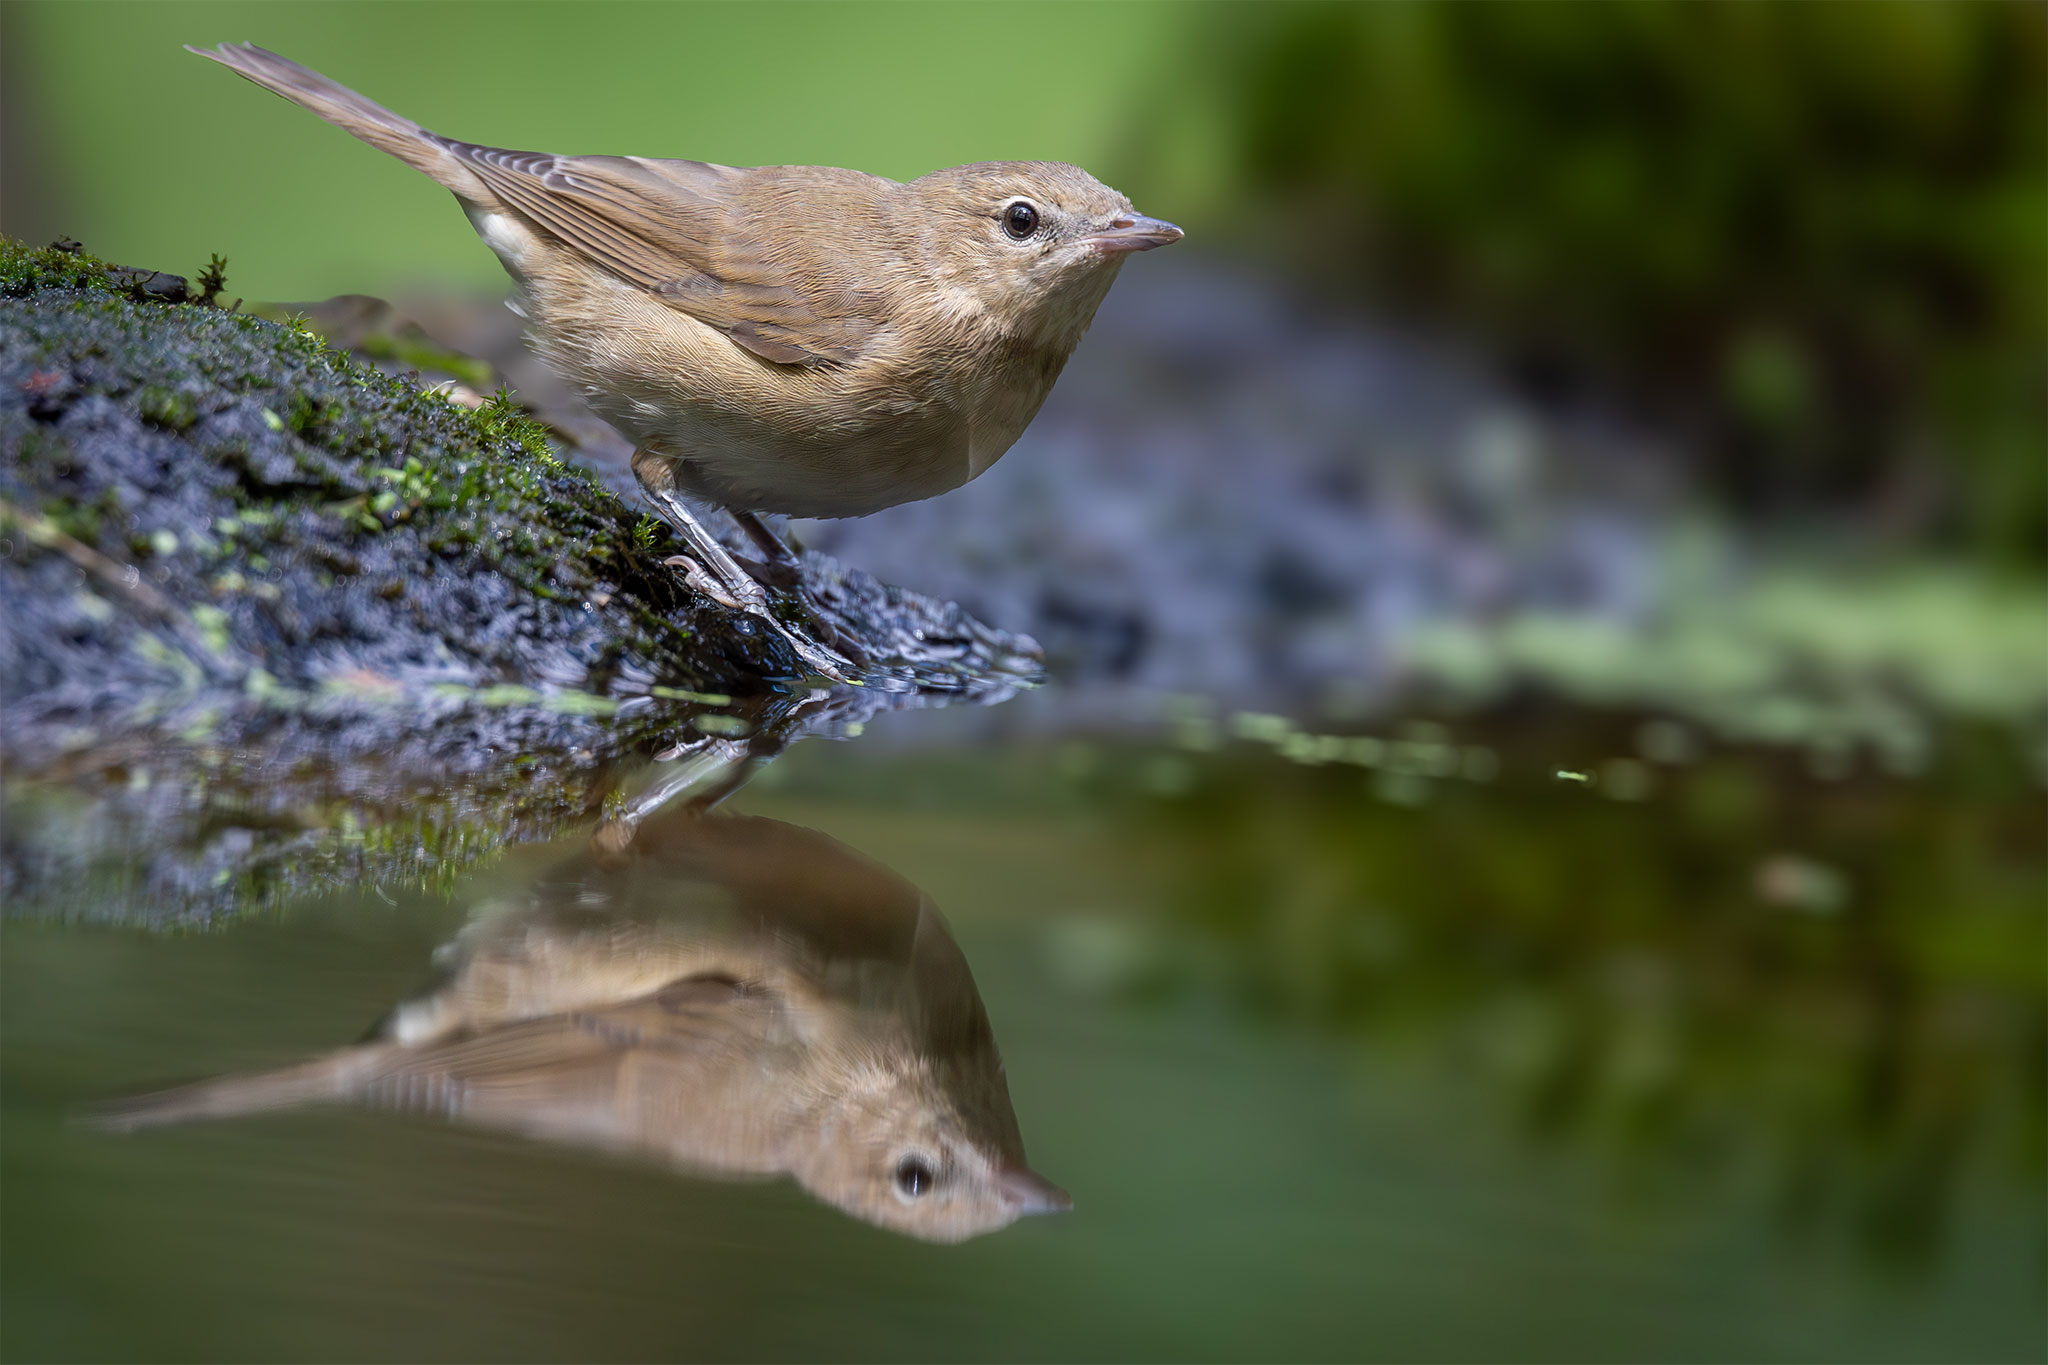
735,996
792,339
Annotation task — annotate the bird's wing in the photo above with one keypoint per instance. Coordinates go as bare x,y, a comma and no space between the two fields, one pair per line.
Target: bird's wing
691,234
567,1059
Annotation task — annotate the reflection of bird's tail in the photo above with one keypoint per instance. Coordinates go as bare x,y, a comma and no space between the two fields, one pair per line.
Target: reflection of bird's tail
345,109
335,1077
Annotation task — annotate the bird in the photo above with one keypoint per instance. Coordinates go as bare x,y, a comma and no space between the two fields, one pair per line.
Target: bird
730,995
803,340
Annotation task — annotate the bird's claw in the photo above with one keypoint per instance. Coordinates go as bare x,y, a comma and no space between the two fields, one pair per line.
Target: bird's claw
704,584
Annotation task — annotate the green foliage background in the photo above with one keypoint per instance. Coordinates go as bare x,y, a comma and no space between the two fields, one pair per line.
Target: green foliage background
1819,232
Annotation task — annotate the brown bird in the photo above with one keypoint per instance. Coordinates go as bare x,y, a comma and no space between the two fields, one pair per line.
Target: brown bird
795,339
734,996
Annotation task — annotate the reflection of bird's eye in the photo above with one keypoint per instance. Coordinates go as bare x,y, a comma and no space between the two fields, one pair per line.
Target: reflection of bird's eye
1020,220
913,1176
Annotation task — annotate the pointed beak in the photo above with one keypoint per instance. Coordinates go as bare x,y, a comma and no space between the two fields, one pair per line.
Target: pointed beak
1133,232
1028,1192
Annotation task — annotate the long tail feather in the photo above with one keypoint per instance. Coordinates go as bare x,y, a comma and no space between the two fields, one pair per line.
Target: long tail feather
345,109
332,1078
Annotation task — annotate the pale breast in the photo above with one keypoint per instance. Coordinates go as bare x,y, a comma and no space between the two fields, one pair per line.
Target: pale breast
745,432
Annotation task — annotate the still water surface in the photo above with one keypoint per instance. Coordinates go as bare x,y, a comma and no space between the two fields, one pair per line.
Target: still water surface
1306,1106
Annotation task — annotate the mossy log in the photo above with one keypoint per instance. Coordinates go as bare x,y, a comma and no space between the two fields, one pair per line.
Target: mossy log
269,616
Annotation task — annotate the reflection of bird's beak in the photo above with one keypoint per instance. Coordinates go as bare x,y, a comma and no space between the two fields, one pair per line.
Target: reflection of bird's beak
1026,1192
1133,232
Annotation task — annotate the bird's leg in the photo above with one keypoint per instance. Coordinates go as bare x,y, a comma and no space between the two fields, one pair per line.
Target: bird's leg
781,563
785,570
714,572
717,575
764,538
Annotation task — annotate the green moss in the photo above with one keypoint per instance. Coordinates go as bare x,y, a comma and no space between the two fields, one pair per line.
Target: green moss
212,279
500,418
25,269
167,407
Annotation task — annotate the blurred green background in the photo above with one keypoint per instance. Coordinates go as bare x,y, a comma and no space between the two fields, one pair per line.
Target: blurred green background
152,153
1812,238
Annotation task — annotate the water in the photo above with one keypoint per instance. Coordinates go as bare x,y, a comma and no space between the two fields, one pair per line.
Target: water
1335,1065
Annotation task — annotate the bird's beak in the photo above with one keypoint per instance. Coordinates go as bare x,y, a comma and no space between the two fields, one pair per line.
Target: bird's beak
1133,232
1027,1192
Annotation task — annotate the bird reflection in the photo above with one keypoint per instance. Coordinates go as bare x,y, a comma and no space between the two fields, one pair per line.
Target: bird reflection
733,995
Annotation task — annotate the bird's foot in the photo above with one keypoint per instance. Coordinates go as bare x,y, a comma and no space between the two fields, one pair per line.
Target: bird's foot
742,593
711,570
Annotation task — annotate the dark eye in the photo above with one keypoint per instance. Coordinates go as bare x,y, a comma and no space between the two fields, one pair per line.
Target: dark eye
913,1176
1020,220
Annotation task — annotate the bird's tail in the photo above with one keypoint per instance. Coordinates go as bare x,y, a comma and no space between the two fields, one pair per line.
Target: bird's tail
338,1076
345,109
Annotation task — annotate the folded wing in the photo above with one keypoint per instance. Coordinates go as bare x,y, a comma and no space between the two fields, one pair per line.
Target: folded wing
688,233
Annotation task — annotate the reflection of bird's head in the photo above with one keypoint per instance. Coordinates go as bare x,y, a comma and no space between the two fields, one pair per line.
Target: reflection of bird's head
910,1125
912,1149
893,1106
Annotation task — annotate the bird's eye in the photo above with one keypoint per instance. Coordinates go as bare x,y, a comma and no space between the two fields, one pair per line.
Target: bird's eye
913,1176
1020,220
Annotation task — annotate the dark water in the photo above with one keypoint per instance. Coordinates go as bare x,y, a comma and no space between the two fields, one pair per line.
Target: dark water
1714,1061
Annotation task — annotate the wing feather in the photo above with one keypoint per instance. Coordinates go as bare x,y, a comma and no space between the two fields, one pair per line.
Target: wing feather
680,231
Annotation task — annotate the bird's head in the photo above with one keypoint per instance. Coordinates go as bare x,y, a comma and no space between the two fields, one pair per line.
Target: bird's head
1035,243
